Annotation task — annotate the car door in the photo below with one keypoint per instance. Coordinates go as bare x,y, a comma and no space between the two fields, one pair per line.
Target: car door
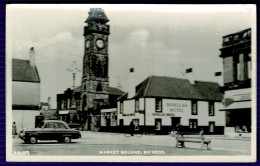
60,130
48,131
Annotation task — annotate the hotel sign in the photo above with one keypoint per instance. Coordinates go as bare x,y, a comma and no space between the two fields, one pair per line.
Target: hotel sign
163,114
176,106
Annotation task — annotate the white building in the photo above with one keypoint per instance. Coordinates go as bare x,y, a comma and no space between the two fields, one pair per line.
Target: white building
160,103
25,91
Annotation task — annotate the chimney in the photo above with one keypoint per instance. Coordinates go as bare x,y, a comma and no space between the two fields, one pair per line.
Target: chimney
49,103
189,74
32,56
131,83
219,78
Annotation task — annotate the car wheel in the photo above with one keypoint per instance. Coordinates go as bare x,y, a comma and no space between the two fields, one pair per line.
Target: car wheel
67,139
33,140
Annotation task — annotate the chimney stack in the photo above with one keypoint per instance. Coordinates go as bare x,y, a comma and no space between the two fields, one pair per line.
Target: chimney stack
189,74
219,78
49,103
32,57
131,83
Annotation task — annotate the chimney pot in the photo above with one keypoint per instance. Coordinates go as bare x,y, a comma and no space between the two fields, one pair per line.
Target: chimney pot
32,56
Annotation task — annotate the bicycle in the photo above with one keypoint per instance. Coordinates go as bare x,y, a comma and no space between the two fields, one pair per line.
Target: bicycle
136,132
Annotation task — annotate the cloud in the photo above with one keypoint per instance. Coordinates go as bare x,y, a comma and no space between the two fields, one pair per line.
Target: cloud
138,39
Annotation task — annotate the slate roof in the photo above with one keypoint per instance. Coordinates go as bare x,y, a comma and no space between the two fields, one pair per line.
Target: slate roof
178,88
115,91
23,71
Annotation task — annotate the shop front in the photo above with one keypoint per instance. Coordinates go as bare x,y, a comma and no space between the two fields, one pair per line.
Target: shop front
71,117
108,119
238,112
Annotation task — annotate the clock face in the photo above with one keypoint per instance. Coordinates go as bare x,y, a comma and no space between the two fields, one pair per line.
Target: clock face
87,44
100,43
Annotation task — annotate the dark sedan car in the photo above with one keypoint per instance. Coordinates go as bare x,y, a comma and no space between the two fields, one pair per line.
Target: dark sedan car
50,130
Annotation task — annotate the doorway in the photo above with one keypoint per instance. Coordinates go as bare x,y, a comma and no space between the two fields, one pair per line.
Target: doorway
175,122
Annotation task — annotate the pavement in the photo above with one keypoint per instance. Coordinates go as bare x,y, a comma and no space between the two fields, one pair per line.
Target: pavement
92,142
221,143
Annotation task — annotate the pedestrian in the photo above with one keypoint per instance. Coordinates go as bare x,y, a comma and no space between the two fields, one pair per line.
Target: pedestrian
14,132
132,128
178,127
202,133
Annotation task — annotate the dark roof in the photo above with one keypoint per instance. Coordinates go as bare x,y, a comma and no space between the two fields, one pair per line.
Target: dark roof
112,91
171,87
23,71
115,91
78,89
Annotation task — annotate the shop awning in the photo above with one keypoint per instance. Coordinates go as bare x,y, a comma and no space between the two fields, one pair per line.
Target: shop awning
63,112
237,105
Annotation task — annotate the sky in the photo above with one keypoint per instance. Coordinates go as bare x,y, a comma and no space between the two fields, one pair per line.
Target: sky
161,40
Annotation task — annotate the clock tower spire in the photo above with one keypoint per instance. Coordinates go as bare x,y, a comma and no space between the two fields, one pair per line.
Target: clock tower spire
95,81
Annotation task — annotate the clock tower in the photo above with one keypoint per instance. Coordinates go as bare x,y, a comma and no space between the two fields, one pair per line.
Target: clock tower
95,81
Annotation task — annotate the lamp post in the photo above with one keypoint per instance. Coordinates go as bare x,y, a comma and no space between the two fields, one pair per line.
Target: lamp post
73,69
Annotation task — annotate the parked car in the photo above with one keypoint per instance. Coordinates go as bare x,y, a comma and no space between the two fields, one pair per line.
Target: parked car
50,130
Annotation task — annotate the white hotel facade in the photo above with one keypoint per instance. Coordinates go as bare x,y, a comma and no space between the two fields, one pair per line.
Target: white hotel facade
160,103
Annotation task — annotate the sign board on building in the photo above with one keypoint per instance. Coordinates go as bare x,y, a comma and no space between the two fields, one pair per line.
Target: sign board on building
242,97
176,106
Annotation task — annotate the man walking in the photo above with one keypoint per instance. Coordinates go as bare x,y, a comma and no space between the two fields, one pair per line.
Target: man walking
14,132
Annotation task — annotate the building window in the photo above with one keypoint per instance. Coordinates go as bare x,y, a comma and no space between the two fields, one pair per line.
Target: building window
211,109
136,105
158,105
249,67
84,86
193,123
238,71
158,124
236,37
121,107
68,103
194,110
65,104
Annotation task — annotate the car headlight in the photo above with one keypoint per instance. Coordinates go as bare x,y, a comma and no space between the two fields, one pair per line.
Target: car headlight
22,134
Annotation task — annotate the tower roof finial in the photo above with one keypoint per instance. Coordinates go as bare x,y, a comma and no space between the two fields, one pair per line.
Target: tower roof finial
97,15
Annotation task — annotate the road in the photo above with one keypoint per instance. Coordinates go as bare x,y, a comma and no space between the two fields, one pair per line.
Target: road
96,144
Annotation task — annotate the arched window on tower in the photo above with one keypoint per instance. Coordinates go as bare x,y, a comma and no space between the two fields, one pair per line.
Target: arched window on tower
93,64
105,68
84,102
99,68
99,87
